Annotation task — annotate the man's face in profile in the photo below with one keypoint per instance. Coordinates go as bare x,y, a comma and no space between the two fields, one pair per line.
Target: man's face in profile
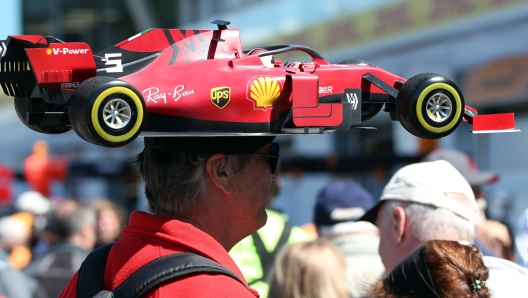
251,187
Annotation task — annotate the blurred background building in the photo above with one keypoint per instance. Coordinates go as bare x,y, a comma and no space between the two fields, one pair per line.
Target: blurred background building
481,44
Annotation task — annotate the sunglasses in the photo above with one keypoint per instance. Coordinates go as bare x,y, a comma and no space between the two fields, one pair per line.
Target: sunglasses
273,156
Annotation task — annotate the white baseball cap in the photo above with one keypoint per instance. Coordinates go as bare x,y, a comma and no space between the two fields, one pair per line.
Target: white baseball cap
33,202
429,183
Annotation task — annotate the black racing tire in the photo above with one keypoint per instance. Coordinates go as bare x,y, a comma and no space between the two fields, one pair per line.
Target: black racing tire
24,105
107,112
368,110
430,106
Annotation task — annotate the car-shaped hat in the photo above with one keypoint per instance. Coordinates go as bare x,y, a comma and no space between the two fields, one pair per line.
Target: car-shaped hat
172,82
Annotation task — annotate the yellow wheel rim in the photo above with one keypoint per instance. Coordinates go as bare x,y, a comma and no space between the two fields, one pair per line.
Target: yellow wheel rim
458,104
95,119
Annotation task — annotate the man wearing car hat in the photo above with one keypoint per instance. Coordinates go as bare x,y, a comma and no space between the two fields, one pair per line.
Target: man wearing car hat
205,194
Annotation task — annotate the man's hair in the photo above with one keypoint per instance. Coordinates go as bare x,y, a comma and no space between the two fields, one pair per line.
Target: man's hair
69,218
454,268
309,269
428,222
175,182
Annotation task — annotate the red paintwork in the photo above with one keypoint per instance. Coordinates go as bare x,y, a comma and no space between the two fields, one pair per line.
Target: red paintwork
192,63
62,63
305,88
236,73
493,122
36,39
183,89
307,111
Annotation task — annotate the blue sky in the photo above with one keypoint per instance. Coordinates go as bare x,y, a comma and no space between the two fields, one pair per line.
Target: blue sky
11,18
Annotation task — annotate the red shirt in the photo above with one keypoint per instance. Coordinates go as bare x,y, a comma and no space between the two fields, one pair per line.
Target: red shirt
148,237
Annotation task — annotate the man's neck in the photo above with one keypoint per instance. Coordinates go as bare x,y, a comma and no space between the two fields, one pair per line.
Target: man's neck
211,224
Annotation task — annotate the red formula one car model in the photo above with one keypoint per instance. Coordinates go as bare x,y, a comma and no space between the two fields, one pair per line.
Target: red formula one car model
170,82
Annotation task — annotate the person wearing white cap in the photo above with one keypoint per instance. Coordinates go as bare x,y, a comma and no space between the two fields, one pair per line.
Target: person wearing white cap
433,201
33,202
492,237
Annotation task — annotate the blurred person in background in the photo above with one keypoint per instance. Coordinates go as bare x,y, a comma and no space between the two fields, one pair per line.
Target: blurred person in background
110,221
439,268
521,239
14,283
492,237
255,255
33,207
314,269
72,225
21,255
15,232
42,170
433,201
338,205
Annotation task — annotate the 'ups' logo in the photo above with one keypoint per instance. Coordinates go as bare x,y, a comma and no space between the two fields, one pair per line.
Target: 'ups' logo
220,96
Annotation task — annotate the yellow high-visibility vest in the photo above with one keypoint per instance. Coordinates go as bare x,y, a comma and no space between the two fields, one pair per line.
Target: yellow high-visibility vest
246,252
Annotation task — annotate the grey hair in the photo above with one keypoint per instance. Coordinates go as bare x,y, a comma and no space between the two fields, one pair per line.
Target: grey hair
69,218
175,181
428,222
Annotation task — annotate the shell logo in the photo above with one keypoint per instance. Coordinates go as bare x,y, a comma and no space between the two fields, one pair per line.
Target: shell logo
264,91
48,51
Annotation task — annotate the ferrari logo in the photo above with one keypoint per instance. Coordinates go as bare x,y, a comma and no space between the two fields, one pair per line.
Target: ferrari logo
264,91
220,96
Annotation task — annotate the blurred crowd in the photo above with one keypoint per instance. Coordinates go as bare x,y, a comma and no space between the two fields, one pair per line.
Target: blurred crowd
44,242
426,236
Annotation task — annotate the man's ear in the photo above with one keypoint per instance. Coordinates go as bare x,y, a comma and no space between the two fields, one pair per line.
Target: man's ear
397,224
218,172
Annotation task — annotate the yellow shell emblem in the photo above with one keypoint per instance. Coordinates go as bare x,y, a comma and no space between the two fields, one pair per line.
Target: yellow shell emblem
48,51
264,91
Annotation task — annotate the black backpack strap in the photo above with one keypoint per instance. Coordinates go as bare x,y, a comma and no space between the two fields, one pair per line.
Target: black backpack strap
91,273
267,259
167,268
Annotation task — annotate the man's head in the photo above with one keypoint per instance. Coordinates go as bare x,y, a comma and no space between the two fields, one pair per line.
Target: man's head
73,222
421,202
338,205
210,178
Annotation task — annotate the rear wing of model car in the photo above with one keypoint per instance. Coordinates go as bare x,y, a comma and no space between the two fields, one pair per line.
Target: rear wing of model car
490,123
31,63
